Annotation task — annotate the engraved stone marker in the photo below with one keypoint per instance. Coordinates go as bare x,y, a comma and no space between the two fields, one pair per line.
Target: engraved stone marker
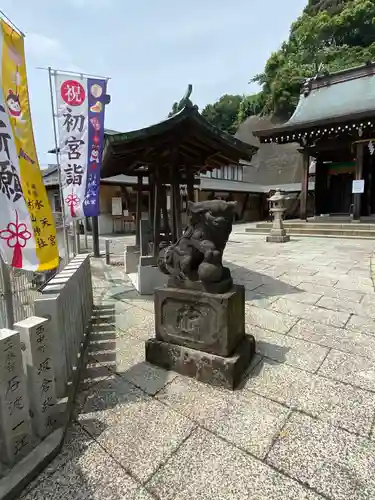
38,362
14,406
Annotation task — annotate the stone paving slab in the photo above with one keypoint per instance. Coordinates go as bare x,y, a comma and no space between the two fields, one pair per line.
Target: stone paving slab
295,294
320,279
331,401
208,468
89,474
250,423
173,438
285,349
363,285
252,298
133,316
138,431
313,313
270,320
346,340
365,325
356,370
366,309
333,462
329,291
76,442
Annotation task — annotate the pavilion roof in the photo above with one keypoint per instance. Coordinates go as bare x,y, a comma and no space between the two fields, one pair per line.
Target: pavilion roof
328,105
187,136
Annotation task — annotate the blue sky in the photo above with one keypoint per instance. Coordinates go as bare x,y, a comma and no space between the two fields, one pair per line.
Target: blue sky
151,50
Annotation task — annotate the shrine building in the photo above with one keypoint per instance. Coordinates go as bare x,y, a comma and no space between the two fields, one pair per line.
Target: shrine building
334,128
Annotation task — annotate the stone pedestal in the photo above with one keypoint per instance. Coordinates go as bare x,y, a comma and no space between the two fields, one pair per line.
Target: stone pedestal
201,335
131,259
282,237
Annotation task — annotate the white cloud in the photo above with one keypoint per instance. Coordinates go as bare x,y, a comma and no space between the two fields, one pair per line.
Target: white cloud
38,45
46,51
79,4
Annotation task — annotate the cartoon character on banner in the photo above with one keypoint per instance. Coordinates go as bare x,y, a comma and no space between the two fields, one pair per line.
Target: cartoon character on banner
13,98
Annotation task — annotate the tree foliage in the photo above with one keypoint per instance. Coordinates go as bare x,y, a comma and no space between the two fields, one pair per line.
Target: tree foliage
330,35
223,113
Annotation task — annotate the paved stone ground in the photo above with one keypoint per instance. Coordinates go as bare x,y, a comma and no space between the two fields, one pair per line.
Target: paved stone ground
300,427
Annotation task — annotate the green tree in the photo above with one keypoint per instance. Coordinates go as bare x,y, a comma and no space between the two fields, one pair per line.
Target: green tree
223,113
330,35
250,105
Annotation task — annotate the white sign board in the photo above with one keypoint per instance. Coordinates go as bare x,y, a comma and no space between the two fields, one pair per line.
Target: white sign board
358,186
117,206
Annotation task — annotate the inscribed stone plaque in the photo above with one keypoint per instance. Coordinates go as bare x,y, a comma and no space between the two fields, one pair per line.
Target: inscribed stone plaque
213,323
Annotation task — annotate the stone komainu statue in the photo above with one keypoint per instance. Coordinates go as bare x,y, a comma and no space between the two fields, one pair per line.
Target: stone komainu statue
197,256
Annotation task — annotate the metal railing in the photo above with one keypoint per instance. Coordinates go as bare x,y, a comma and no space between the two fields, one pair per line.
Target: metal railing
18,291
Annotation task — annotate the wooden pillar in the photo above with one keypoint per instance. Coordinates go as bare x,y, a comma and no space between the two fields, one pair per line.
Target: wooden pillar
172,206
95,236
151,206
177,205
190,185
305,184
139,212
358,176
319,192
156,222
164,210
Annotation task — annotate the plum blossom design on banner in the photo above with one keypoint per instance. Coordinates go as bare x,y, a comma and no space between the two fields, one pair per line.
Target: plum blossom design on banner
16,235
72,200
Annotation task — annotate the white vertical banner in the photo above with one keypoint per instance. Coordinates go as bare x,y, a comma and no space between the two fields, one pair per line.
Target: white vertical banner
72,117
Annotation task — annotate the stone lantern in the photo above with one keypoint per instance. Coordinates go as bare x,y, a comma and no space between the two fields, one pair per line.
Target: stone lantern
277,233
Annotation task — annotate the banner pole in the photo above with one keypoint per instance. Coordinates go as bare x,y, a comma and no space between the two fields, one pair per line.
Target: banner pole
66,243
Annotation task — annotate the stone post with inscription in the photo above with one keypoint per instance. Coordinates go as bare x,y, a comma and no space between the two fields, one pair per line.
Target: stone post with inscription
15,428
38,363
200,314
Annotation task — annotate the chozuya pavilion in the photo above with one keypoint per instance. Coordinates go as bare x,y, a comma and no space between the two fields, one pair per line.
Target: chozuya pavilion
334,123
169,155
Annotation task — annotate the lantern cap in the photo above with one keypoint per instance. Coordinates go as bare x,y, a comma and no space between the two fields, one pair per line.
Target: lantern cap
277,196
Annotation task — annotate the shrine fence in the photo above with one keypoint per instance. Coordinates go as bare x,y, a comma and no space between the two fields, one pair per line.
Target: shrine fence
40,360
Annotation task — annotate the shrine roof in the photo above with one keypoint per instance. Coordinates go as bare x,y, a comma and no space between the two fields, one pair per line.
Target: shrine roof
328,101
186,135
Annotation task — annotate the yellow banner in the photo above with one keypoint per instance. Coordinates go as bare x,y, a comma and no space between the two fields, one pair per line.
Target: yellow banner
16,97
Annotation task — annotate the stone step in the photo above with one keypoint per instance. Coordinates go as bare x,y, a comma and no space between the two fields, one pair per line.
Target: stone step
320,232
356,226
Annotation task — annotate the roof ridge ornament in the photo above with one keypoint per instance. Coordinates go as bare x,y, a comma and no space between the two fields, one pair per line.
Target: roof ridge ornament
185,101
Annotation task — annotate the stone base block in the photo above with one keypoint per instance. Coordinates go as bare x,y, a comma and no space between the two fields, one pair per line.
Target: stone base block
213,323
215,370
147,279
131,259
278,238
